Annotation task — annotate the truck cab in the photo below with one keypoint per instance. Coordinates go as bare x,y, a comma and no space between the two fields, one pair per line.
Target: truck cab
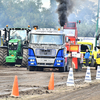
14,48
47,50
17,37
97,52
89,46
72,48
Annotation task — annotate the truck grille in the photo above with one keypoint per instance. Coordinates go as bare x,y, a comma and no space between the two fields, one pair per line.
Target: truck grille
46,64
45,57
13,47
42,52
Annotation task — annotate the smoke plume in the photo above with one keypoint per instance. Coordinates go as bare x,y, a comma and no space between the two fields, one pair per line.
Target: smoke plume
64,7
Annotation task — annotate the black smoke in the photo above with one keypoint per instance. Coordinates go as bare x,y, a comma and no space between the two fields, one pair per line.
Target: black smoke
63,10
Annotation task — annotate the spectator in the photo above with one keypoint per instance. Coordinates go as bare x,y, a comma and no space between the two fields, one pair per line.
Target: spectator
87,55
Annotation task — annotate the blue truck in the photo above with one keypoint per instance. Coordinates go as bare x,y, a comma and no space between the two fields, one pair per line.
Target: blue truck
47,49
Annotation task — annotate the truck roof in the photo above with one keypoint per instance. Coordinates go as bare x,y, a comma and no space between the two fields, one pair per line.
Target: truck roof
17,28
14,40
48,31
85,43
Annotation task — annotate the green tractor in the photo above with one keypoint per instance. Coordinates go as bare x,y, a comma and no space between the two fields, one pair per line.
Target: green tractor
15,46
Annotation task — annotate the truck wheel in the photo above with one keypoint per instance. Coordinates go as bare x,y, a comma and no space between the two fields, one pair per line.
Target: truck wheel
63,69
27,67
96,67
92,63
40,68
25,58
3,55
30,68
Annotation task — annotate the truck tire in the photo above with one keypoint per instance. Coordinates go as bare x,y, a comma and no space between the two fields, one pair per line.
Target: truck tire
30,68
92,63
40,68
25,58
3,55
96,66
63,69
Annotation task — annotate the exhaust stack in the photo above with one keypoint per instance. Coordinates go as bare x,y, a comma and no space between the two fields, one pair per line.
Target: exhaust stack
62,28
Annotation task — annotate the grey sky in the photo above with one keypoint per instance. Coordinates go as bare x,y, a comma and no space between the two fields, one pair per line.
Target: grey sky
96,1
46,3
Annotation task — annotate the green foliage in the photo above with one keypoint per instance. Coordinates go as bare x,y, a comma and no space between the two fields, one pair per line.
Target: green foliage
86,12
86,30
17,13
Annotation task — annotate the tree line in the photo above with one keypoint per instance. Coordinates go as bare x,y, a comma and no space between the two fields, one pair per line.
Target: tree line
16,13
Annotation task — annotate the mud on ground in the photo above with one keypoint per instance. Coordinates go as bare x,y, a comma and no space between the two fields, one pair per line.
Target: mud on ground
33,85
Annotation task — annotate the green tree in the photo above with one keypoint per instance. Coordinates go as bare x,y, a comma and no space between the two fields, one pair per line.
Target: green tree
86,30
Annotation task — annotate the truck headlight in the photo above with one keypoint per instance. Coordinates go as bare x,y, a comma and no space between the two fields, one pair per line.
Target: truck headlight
15,43
58,60
32,63
32,60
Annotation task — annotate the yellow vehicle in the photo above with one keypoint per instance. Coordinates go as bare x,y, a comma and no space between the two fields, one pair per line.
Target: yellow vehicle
97,53
89,46
97,59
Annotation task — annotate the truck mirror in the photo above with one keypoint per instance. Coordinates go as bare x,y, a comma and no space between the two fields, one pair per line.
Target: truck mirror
67,39
77,39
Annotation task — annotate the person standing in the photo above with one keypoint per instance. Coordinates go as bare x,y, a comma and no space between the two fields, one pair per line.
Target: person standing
87,55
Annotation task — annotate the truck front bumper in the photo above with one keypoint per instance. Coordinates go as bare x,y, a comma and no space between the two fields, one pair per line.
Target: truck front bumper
58,62
10,59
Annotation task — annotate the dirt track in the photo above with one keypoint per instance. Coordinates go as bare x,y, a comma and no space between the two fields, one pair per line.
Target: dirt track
34,84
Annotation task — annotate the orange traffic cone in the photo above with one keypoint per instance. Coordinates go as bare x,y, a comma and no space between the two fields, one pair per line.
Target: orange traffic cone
15,90
51,82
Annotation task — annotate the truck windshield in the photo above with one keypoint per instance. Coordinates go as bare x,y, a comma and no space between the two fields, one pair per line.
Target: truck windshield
47,39
89,46
84,47
69,32
18,34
